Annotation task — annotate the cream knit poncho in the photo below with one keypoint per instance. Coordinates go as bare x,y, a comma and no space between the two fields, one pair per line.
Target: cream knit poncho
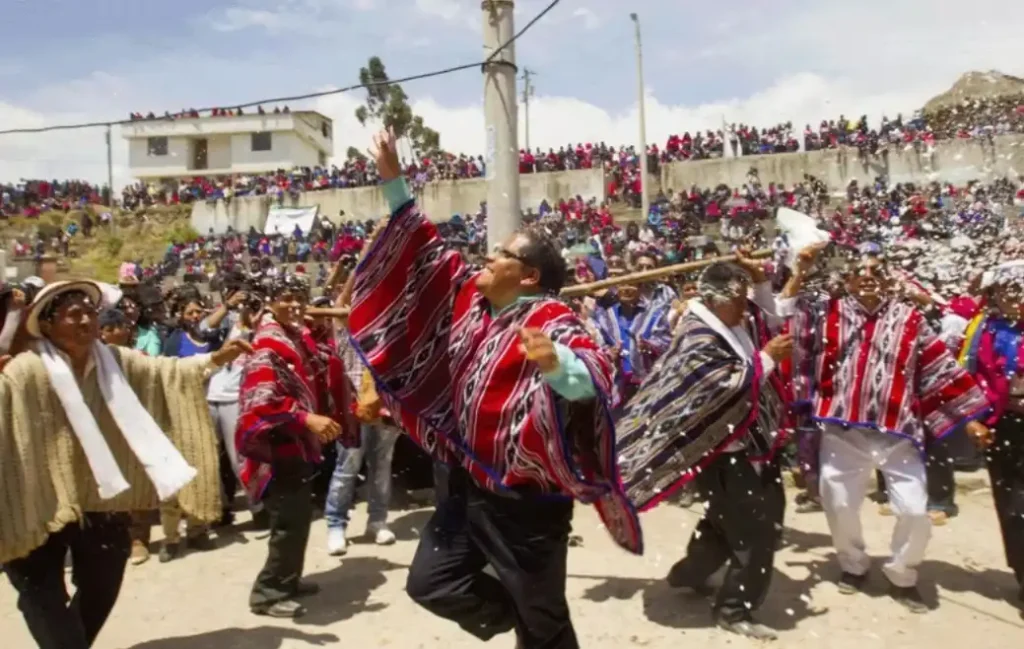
45,480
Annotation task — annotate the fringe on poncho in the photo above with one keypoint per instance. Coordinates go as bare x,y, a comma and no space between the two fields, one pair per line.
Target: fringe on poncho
45,480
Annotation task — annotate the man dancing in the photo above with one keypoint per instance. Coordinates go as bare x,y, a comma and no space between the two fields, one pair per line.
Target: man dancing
709,413
490,373
122,431
879,380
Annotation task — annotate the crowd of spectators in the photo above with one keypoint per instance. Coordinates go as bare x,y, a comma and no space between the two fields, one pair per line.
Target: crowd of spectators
972,118
192,113
32,197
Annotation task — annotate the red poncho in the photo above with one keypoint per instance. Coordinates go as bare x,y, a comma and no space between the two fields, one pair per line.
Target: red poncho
456,379
285,379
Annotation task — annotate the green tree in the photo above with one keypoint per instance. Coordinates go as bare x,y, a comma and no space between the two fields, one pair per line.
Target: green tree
355,154
388,104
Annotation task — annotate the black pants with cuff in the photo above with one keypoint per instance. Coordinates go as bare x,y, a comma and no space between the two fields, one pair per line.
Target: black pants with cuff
99,547
524,539
1006,473
289,506
741,526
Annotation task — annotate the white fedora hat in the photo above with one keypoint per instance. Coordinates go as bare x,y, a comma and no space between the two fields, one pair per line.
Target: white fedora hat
51,292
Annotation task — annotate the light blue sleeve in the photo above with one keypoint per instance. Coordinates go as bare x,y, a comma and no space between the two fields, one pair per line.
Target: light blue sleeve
571,380
396,193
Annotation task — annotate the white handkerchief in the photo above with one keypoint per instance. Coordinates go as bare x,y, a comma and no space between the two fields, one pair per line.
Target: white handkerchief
801,230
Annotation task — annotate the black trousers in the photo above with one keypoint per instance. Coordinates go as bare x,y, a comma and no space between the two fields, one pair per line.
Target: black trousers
741,526
1006,472
99,548
525,540
289,506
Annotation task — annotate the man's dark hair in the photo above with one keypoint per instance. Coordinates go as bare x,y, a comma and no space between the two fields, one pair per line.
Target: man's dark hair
543,253
50,310
113,318
722,280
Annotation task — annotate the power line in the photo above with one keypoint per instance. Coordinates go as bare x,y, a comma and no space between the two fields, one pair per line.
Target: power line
312,95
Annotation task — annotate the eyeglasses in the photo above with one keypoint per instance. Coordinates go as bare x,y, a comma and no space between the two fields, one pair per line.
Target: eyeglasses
504,252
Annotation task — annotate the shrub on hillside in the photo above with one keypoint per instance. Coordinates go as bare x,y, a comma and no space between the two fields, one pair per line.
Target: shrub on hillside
181,233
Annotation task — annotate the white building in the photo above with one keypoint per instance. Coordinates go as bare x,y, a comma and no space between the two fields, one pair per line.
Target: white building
237,144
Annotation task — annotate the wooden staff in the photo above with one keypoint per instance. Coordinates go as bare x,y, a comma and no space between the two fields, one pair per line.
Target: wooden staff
657,273
327,312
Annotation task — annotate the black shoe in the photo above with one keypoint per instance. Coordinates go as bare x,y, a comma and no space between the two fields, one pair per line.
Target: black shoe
285,609
168,552
679,579
851,584
749,629
227,519
306,589
909,597
261,520
199,542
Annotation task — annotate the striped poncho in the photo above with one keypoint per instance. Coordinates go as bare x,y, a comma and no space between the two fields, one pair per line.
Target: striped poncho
887,370
641,339
701,397
457,380
285,379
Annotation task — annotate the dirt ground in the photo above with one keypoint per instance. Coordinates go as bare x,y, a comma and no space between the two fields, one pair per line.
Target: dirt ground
199,601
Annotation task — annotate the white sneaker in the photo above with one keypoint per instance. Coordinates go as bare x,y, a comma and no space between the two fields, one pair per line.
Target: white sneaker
384,536
337,545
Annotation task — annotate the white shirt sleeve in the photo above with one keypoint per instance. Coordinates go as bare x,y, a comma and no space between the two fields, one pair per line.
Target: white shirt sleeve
762,296
785,306
767,366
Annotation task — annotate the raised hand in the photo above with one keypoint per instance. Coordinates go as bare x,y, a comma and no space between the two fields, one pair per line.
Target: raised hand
808,256
754,267
385,152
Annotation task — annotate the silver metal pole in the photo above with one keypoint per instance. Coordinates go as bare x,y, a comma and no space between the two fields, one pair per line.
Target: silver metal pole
645,201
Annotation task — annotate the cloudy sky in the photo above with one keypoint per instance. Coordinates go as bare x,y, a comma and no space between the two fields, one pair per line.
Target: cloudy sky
752,61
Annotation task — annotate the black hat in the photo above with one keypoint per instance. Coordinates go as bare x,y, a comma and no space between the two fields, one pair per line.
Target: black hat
113,318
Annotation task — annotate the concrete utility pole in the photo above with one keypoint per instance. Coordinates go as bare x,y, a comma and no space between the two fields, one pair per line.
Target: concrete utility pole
504,215
527,93
110,178
645,201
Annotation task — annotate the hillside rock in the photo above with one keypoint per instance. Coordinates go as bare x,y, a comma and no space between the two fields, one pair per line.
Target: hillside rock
977,85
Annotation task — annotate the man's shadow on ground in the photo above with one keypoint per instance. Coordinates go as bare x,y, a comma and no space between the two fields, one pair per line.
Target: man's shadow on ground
407,526
344,592
789,600
263,637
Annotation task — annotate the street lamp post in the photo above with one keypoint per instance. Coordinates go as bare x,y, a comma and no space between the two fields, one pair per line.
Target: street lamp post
645,201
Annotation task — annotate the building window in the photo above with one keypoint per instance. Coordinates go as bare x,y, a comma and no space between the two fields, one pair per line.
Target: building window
322,158
261,141
156,145
325,129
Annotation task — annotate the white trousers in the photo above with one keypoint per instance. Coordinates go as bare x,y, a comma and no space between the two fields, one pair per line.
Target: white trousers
848,460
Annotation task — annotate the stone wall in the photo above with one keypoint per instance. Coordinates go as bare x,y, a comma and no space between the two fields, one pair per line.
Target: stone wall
956,161
439,200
